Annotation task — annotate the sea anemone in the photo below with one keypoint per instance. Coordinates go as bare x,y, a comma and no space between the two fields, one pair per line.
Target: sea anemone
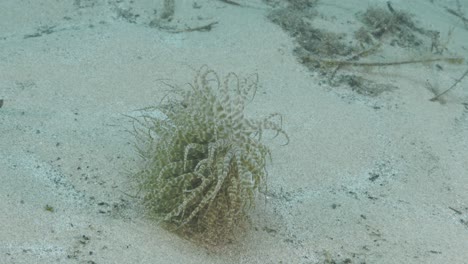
204,159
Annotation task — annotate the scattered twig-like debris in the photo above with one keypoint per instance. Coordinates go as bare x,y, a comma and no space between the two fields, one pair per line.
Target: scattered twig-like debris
454,60
455,210
455,13
200,28
381,22
390,7
355,57
44,30
458,13
435,98
49,208
230,2
435,90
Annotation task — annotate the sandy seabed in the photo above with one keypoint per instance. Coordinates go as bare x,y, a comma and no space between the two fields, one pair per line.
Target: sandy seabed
366,178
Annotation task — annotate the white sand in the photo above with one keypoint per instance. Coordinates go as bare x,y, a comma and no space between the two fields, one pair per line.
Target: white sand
63,139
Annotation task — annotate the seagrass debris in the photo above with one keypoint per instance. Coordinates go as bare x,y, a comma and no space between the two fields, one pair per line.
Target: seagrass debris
437,97
333,63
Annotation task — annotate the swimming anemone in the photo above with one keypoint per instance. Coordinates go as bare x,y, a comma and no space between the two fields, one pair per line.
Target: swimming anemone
204,159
